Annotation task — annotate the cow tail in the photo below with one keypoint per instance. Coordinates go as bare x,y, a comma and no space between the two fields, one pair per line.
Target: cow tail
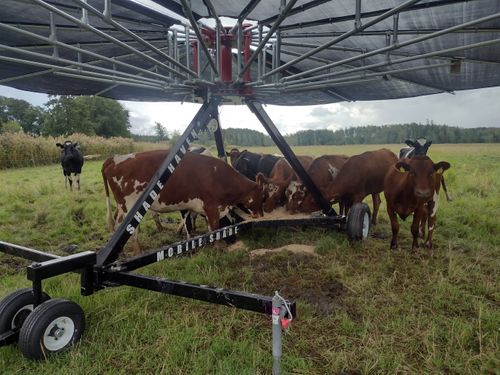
109,214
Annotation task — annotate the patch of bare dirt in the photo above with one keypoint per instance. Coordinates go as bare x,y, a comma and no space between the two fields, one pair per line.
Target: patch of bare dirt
238,245
293,248
10,265
299,276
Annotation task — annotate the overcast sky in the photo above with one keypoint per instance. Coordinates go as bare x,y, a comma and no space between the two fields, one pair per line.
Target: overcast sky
471,108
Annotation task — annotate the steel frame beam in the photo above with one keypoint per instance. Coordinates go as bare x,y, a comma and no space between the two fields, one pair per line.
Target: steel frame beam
220,296
78,50
375,13
355,30
287,152
385,63
275,26
194,25
157,182
331,34
109,20
389,48
107,36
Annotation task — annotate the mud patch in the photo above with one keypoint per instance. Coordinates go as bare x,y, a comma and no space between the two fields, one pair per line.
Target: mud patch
10,265
299,277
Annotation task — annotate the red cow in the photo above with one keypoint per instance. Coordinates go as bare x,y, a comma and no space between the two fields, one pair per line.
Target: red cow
412,186
322,171
360,176
275,185
200,184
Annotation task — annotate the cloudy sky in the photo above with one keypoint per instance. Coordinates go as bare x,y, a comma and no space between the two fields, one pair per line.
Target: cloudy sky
471,108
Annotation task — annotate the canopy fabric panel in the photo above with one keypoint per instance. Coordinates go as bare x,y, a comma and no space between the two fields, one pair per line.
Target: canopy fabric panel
282,52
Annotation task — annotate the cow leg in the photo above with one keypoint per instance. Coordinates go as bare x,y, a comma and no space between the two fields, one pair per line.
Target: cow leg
193,216
212,213
77,176
394,227
157,220
415,226
341,209
70,182
431,222
376,204
187,222
135,242
423,221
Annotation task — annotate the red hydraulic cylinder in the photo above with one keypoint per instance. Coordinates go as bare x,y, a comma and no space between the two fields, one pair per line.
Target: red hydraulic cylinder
226,59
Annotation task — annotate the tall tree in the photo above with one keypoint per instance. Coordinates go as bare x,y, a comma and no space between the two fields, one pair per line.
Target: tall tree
86,114
161,132
29,117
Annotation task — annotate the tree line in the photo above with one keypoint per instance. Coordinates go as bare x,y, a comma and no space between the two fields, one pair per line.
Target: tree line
63,115
385,134
92,115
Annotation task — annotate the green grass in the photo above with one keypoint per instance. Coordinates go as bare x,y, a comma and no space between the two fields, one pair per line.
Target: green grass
363,309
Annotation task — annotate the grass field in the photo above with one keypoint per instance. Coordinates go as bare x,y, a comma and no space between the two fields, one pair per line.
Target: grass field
362,310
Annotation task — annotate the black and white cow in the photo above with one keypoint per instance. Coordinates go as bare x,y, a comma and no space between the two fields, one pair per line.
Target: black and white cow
249,164
419,147
71,161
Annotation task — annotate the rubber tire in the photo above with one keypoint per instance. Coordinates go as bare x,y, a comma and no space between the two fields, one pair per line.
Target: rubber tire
31,334
355,221
10,305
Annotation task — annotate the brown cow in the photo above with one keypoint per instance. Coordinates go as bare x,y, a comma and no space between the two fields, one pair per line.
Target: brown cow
412,186
360,176
200,184
275,185
322,171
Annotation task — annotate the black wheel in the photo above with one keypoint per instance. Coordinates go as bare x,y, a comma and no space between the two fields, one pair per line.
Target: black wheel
15,308
358,222
52,327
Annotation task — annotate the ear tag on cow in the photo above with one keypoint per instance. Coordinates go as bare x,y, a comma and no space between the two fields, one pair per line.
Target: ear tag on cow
440,171
401,169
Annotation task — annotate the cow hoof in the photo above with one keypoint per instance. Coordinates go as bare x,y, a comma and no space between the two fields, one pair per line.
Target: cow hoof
428,245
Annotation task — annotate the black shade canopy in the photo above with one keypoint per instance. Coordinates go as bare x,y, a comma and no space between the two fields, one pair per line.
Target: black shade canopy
297,52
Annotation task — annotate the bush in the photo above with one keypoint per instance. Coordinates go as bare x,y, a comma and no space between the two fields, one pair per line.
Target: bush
22,150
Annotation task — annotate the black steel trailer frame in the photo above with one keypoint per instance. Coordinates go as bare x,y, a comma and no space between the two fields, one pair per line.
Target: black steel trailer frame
102,269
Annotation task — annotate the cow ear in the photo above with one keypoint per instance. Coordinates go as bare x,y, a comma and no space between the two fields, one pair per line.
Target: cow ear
410,143
442,166
59,145
427,145
75,144
260,179
228,154
402,166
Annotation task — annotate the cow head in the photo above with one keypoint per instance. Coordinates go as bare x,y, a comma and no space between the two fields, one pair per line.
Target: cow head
420,145
295,194
246,164
274,191
421,173
254,202
68,148
233,154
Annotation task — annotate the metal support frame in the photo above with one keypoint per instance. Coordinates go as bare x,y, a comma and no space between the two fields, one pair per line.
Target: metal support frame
278,139
344,36
158,181
219,142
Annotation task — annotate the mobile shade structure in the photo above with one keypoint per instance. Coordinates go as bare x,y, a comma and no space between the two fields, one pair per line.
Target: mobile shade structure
211,51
